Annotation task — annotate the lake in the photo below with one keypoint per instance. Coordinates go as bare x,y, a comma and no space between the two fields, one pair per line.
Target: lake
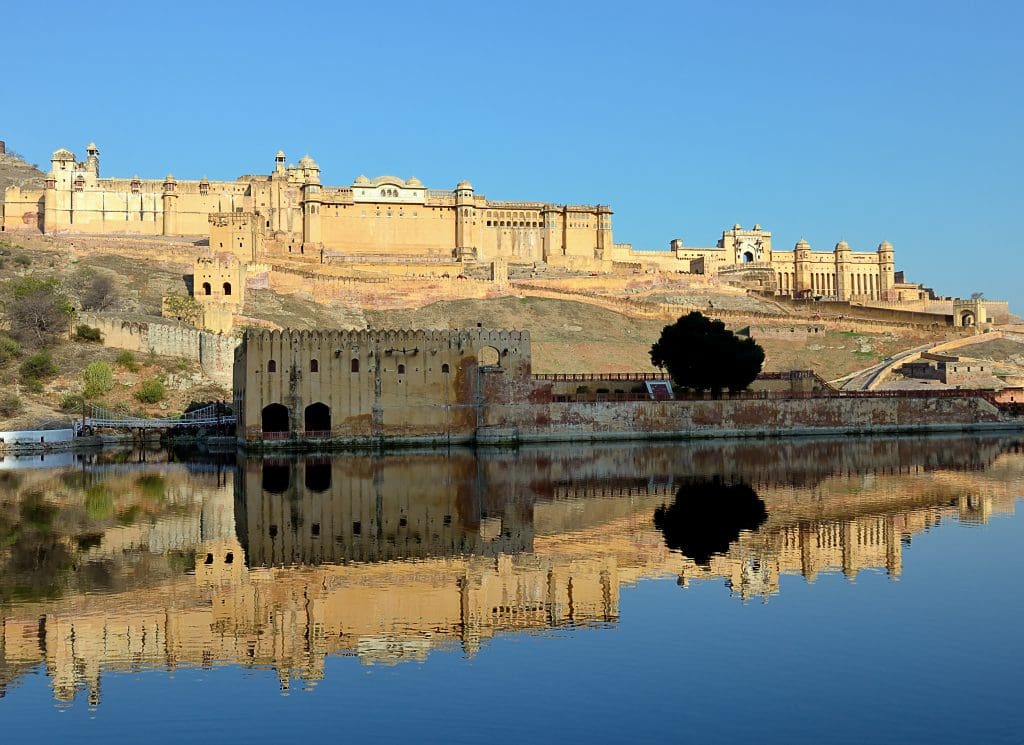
849,590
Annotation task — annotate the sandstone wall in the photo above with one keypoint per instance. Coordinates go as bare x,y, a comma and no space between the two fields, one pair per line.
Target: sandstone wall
644,419
214,352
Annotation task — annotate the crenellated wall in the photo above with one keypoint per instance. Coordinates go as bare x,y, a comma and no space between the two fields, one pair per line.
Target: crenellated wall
214,352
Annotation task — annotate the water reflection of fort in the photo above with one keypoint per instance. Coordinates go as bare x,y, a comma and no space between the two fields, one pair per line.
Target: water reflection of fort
384,558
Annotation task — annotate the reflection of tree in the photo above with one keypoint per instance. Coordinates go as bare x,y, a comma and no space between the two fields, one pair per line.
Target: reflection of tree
36,558
707,516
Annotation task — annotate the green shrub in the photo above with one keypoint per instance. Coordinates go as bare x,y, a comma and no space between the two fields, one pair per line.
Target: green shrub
583,389
10,405
99,379
38,367
9,349
84,332
127,361
151,391
71,402
23,260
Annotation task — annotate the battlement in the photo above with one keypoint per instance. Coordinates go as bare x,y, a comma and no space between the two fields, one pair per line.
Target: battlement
349,339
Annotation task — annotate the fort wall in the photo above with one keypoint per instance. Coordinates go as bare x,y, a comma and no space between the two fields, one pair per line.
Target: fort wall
213,352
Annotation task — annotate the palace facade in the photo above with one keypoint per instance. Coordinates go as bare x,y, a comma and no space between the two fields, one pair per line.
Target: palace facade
389,219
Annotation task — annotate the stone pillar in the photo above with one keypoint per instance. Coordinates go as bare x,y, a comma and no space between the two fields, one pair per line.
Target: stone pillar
170,200
886,270
311,206
801,268
843,289
465,215
604,232
50,205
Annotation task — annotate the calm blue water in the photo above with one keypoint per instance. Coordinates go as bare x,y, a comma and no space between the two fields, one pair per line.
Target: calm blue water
522,596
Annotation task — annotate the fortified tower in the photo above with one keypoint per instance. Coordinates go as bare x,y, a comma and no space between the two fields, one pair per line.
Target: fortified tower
170,200
311,203
465,217
92,161
842,251
604,231
886,270
801,268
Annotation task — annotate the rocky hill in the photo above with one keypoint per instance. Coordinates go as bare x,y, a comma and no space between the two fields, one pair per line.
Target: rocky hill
14,171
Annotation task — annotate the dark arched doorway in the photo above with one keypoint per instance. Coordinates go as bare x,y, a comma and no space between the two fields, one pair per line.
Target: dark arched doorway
275,418
318,417
748,257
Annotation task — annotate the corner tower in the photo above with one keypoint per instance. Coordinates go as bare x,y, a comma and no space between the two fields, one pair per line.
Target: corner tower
312,199
465,217
886,270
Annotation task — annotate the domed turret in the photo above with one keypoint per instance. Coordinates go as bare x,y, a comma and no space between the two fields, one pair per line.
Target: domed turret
737,226
842,246
464,186
306,162
362,180
414,183
802,245
884,246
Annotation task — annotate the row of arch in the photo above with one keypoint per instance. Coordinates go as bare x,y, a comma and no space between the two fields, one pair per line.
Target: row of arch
825,282
208,288
277,418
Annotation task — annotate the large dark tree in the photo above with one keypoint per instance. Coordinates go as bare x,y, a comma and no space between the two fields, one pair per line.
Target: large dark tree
702,354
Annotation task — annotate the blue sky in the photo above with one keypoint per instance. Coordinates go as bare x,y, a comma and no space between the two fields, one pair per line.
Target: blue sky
863,121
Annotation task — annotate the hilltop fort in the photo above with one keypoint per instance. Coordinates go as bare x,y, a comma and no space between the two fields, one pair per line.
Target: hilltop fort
384,219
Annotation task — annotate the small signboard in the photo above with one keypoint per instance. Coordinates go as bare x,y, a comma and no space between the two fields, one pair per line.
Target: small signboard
659,390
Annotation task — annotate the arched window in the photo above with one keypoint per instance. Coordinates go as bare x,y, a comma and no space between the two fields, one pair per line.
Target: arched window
207,290
272,366
314,365
445,368
401,369
355,365
227,288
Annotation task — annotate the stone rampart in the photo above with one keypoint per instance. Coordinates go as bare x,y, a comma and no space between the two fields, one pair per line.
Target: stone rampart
214,352
746,417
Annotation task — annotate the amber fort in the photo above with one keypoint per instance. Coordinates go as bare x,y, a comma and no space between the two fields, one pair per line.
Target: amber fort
290,212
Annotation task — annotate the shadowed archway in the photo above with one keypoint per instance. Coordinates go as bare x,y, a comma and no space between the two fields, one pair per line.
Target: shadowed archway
318,417
275,418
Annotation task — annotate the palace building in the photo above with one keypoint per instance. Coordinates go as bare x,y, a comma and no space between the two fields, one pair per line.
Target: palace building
387,219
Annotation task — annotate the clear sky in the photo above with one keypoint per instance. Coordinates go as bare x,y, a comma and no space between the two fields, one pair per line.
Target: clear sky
862,121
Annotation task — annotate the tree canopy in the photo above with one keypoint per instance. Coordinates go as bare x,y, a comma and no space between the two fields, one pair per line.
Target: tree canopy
702,354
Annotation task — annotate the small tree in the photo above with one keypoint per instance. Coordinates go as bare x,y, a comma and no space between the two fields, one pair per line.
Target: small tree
9,349
702,354
84,332
98,291
36,309
151,391
126,360
98,378
38,367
